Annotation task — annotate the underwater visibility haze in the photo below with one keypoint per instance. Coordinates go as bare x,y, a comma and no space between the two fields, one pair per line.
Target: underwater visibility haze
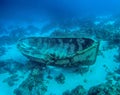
59,47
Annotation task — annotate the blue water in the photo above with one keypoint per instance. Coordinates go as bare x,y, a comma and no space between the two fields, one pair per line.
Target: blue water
95,19
35,9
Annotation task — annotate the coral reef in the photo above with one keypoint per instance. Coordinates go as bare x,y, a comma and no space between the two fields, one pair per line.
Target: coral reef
11,80
110,87
79,90
12,36
33,85
10,66
107,88
67,92
113,40
36,73
5,40
61,33
14,33
60,79
49,76
117,57
118,70
81,70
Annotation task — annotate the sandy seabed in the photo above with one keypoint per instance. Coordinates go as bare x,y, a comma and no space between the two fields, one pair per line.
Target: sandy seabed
97,73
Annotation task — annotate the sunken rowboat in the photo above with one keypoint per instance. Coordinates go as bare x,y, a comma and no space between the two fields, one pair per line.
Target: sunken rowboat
65,52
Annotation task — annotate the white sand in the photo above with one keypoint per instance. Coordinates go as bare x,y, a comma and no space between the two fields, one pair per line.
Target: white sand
14,54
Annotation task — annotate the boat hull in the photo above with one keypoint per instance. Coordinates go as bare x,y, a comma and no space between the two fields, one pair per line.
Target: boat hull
64,52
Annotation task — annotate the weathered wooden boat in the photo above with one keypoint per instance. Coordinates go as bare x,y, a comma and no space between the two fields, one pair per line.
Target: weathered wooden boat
65,52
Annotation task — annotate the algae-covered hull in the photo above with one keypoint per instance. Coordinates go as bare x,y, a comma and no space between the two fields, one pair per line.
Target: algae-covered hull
65,52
